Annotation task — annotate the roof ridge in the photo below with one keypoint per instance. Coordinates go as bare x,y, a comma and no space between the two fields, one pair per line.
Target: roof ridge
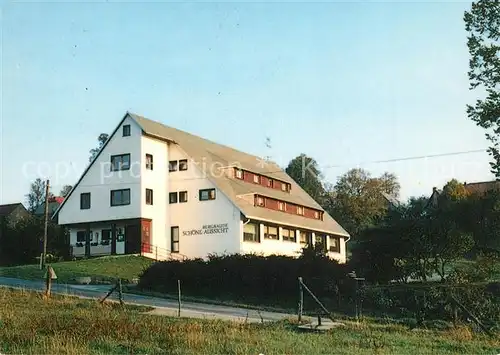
197,137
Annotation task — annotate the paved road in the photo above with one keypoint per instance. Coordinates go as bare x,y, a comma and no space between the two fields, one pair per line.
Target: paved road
162,306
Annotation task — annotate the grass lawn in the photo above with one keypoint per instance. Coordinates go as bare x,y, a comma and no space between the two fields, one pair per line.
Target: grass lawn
103,268
66,325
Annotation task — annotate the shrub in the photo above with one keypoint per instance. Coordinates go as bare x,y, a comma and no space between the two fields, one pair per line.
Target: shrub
247,276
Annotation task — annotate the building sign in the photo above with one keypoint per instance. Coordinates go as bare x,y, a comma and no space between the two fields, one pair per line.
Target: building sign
208,229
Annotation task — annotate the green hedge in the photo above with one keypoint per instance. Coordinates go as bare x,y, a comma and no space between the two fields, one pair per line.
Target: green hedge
243,277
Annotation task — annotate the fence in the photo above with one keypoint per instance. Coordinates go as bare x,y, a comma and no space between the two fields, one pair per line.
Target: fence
158,253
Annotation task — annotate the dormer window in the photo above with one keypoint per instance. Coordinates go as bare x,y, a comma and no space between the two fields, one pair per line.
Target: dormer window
126,130
270,183
300,210
256,179
239,174
260,201
281,206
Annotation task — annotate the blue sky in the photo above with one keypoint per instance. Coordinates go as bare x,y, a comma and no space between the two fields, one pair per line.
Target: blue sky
346,83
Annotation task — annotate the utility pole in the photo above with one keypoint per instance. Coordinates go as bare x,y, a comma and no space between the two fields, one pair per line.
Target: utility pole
46,223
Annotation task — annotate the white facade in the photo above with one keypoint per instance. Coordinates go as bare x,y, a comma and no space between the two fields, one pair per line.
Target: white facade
204,227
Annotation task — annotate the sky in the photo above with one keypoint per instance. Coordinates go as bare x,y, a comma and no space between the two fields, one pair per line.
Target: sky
348,84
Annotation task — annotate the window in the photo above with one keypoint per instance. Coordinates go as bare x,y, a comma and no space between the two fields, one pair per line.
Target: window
239,174
174,236
106,235
281,206
183,165
207,194
172,197
256,179
80,236
304,237
251,232
120,162
172,165
270,183
288,234
85,201
316,214
334,244
300,210
149,162
120,197
285,187
149,197
183,196
126,130
259,201
271,232
321,240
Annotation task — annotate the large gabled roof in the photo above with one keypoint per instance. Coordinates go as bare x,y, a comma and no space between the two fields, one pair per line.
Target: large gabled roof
212,158
216,157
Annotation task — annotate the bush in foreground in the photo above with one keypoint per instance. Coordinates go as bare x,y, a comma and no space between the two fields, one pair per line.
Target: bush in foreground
247,276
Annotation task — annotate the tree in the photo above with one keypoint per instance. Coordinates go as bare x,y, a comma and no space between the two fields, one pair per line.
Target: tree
357,200
305,171
454,191
102,139
36,196
66,189
482,23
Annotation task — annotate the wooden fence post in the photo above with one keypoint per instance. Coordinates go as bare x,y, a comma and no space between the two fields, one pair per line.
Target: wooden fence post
120,291
301,300
179,297
48,282
317,300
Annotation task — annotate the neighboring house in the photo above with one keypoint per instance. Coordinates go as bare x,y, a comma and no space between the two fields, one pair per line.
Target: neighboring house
434,198
155,187
391,201
481,187
12,212
54,203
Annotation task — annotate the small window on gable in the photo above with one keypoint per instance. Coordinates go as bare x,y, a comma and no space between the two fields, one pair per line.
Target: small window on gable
239,174
85,201
256,179
183,165
207,194
149,161
149,196
172,165
126,130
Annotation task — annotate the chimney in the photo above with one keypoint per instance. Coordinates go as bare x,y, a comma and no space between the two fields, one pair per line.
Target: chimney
434,189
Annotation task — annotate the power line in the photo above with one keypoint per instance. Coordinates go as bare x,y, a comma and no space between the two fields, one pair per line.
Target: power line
410,158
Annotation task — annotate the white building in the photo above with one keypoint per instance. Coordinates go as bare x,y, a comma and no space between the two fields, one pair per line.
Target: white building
159,191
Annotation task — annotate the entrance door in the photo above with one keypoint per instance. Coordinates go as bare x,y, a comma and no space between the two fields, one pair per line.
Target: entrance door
146,239
132,238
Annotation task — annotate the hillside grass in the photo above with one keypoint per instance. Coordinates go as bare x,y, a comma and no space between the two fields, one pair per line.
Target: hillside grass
66,325
106,268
